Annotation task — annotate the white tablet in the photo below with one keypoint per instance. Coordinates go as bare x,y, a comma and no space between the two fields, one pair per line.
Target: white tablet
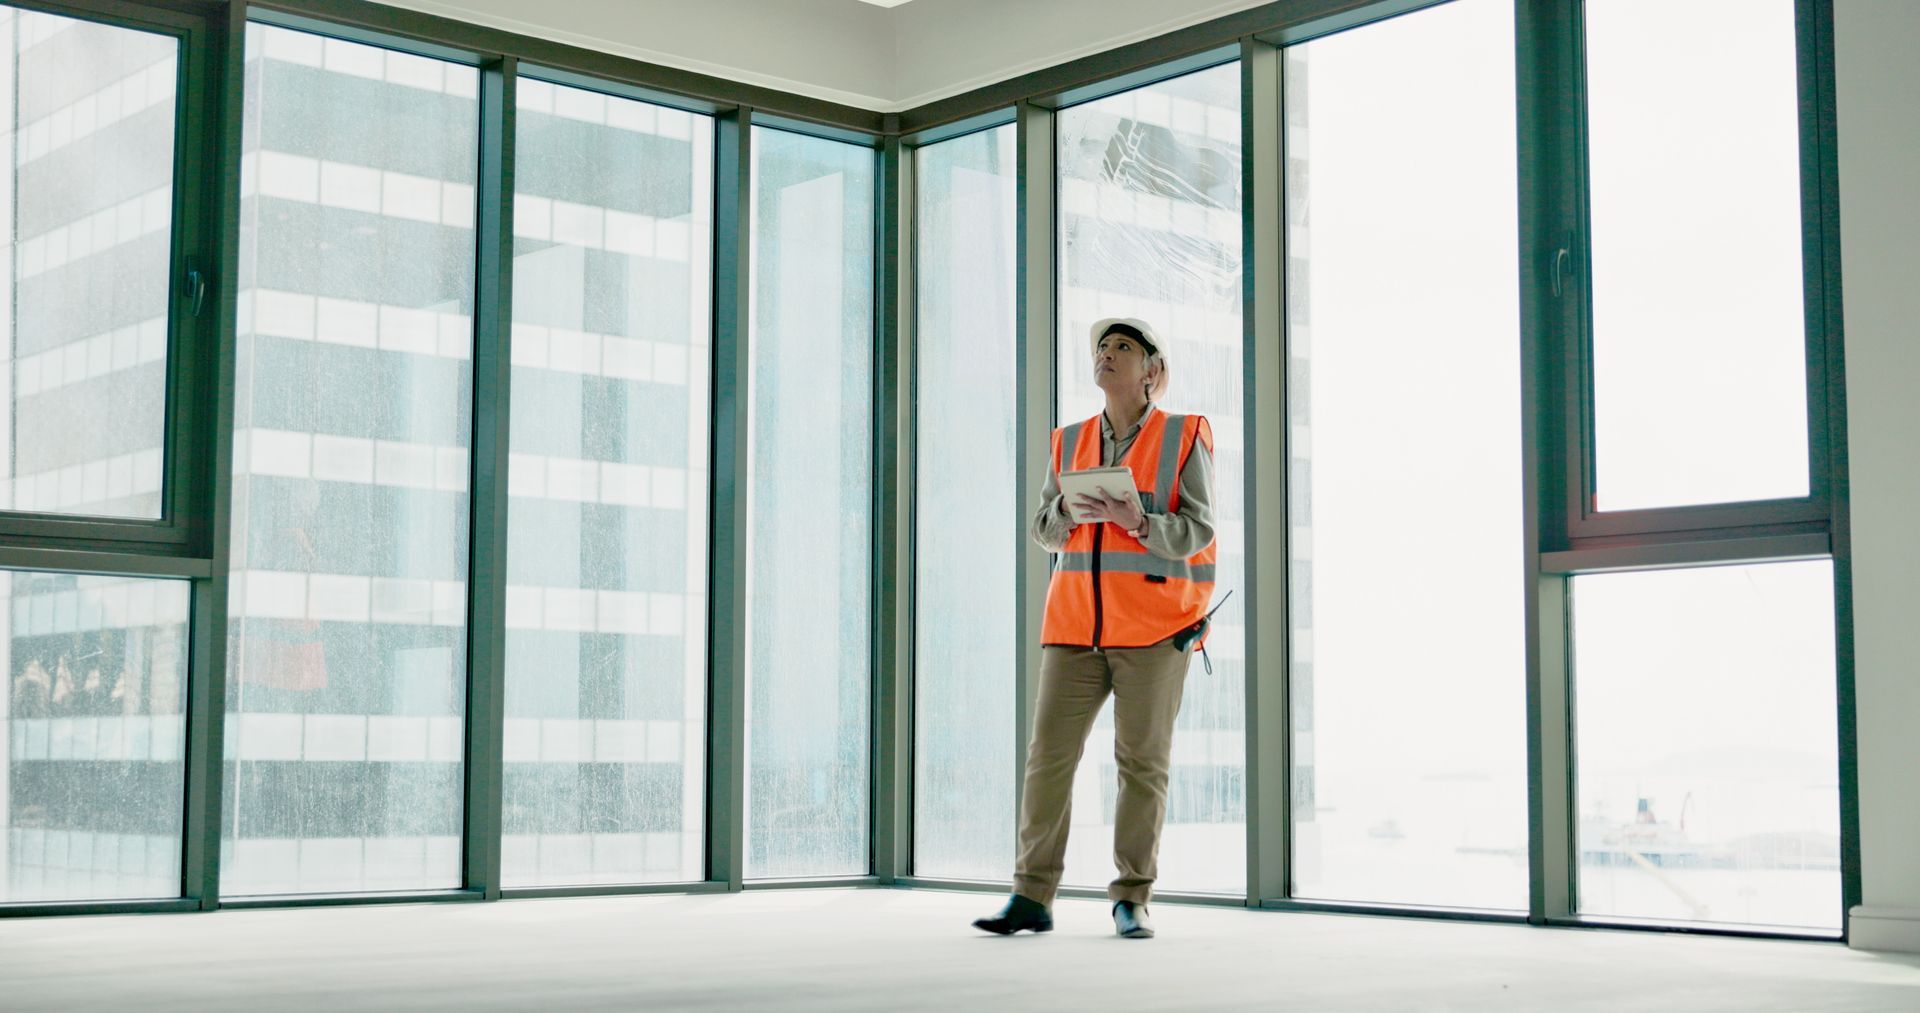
1117,482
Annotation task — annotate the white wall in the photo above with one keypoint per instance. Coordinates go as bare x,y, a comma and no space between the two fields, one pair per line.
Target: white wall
839,50
1878,97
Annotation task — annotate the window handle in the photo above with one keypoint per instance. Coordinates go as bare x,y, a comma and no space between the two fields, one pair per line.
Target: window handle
196,286
1562,257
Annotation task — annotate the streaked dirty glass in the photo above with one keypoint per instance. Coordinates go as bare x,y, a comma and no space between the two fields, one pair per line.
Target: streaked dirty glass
809,513
92,736
347,646
606,697
964,548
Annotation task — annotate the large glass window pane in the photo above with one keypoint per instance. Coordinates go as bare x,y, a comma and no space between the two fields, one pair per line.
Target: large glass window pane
1699,353
92,731
607,544
1408,654
810,516
1149,212
347,655
1706,732
964,548
86,211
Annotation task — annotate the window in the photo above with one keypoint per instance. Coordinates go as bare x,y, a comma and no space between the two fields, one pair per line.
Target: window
964,552
347,659
93,736
1699,342
1149,213
810,517
1706,731
606,560
1408,642
89,225
1563,579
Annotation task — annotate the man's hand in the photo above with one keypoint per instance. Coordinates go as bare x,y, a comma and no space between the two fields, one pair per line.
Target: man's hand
1114,509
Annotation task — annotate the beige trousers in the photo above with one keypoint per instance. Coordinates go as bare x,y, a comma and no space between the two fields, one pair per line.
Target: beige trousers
1074,681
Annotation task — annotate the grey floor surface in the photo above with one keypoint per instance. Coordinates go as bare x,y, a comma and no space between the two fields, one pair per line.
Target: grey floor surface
877,949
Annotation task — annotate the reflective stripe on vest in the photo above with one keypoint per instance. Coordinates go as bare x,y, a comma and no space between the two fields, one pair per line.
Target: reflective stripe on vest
1135,562
1107,590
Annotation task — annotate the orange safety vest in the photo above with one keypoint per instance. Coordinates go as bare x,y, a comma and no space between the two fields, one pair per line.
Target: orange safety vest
1107,589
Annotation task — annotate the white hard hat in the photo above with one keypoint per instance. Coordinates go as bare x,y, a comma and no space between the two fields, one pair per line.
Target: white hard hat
1144,329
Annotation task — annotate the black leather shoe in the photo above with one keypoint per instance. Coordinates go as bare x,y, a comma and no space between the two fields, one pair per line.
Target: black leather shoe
1130,920
1020,913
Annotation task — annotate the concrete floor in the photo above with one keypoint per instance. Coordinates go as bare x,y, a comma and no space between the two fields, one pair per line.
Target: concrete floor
880,949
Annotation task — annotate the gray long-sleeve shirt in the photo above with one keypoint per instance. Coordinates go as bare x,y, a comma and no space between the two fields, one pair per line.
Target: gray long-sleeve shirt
1176,535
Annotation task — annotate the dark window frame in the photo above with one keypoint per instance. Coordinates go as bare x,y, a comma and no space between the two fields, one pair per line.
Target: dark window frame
182,530
1582,523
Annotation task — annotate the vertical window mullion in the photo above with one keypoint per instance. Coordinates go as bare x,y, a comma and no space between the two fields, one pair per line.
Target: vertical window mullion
892,665
213,412
1036,272
1553,431
195,302
1819,130
492,399
728,566
1265,283
1818,194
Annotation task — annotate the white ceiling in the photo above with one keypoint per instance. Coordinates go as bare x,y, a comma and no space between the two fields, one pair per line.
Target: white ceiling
885,55
945,47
